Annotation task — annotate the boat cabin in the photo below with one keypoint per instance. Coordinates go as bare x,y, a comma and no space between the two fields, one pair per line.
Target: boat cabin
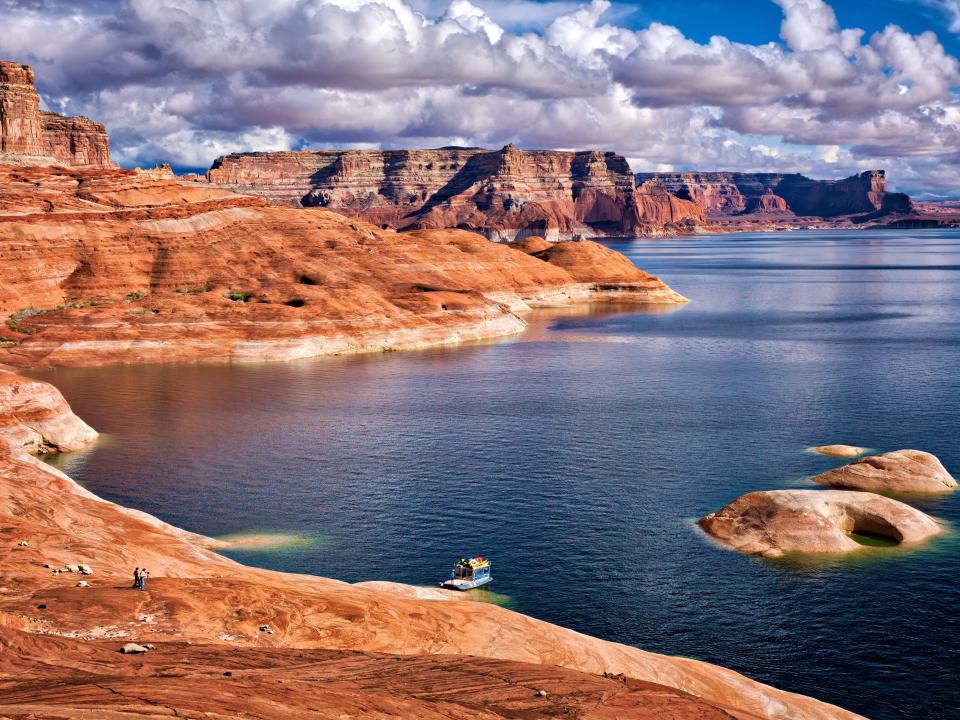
468,574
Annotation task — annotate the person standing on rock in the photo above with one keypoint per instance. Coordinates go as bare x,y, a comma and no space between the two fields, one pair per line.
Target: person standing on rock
143,578
136,577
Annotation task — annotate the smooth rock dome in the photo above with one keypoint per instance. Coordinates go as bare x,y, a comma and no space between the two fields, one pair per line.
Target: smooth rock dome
776,522
904,471
841,451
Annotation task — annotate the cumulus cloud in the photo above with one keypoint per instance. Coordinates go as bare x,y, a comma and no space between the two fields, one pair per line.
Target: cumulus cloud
187,80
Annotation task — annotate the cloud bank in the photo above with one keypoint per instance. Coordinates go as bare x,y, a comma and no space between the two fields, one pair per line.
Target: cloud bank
187,80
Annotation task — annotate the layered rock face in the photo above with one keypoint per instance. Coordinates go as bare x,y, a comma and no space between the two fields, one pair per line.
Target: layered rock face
777,522
504,195
333,650
723,194
76,141
901,471
109,266
28,133
21,127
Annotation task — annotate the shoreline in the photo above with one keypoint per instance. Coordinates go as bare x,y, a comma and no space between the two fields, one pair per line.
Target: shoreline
197,581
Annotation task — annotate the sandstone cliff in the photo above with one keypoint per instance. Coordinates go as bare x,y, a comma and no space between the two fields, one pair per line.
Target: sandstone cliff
723,193
110,266
231,640
30,135
504,195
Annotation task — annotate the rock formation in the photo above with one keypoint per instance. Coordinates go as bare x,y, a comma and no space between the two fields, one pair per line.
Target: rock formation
776,522
841,451
505,194
107,266
36,417
901,471
333,649
31,136
725,193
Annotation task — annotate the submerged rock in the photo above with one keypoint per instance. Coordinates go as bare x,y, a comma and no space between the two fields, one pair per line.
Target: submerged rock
776,522
903,471
841,451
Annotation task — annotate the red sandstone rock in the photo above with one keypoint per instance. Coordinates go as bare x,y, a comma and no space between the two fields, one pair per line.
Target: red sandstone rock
334,649
21,128
724,194
901,471
840,451
76,141
504,195
107,266
776,522
26,131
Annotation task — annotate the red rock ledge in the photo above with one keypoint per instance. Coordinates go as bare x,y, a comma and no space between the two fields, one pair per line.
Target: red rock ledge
111,266
225,639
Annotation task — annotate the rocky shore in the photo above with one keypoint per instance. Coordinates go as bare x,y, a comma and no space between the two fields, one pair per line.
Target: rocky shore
108,266
226,637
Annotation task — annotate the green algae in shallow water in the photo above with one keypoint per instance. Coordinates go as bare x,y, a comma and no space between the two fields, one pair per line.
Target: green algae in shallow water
488,596
257,541
873,540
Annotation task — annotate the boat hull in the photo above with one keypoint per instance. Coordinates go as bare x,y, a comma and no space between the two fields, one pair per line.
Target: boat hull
461,584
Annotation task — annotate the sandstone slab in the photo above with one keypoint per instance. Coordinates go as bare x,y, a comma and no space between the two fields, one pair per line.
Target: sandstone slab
901,471
778,522
841,451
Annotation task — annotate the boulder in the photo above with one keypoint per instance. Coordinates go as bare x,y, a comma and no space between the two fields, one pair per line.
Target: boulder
530,245
901,471
776,522
84,570
840,451
133,649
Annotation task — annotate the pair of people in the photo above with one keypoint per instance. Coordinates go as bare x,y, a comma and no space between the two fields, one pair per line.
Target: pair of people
139,578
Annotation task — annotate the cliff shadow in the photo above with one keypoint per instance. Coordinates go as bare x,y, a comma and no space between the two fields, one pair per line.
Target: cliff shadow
476,167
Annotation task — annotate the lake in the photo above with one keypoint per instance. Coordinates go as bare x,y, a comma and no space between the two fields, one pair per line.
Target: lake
579,455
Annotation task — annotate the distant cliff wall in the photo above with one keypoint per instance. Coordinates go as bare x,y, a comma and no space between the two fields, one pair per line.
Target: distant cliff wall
504,194
26,132
727,193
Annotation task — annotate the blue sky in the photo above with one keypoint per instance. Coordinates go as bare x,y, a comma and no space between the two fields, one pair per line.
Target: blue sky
824,88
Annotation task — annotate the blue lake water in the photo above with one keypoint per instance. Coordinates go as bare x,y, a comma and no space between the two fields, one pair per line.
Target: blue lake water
579,455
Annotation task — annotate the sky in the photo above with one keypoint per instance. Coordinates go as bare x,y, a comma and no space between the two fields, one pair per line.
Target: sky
826,89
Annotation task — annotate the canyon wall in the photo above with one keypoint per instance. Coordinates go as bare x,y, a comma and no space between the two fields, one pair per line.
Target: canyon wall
727,193
505,194
28,134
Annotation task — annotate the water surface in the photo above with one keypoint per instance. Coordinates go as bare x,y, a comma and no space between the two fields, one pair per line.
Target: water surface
579,455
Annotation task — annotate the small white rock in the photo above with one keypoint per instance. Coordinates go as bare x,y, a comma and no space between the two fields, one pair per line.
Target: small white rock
133,649
23,543
84,570
71,568
83,583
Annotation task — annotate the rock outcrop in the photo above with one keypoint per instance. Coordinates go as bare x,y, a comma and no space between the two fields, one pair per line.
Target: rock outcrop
777,522
32,136
840,451
334,649
35,416
728,193
901,471
505,194
110,266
